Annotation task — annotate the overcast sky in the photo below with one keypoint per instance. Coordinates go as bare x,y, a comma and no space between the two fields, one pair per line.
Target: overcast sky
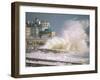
56,20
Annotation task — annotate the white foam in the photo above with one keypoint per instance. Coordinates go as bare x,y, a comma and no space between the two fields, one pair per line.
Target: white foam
73,38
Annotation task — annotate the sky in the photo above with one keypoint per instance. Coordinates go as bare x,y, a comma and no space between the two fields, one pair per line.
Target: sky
56,20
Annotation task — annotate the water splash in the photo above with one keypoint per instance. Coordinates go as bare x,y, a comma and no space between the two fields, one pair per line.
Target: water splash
73,39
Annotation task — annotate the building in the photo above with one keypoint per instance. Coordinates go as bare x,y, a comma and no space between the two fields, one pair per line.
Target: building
45,30
39,29
37,32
